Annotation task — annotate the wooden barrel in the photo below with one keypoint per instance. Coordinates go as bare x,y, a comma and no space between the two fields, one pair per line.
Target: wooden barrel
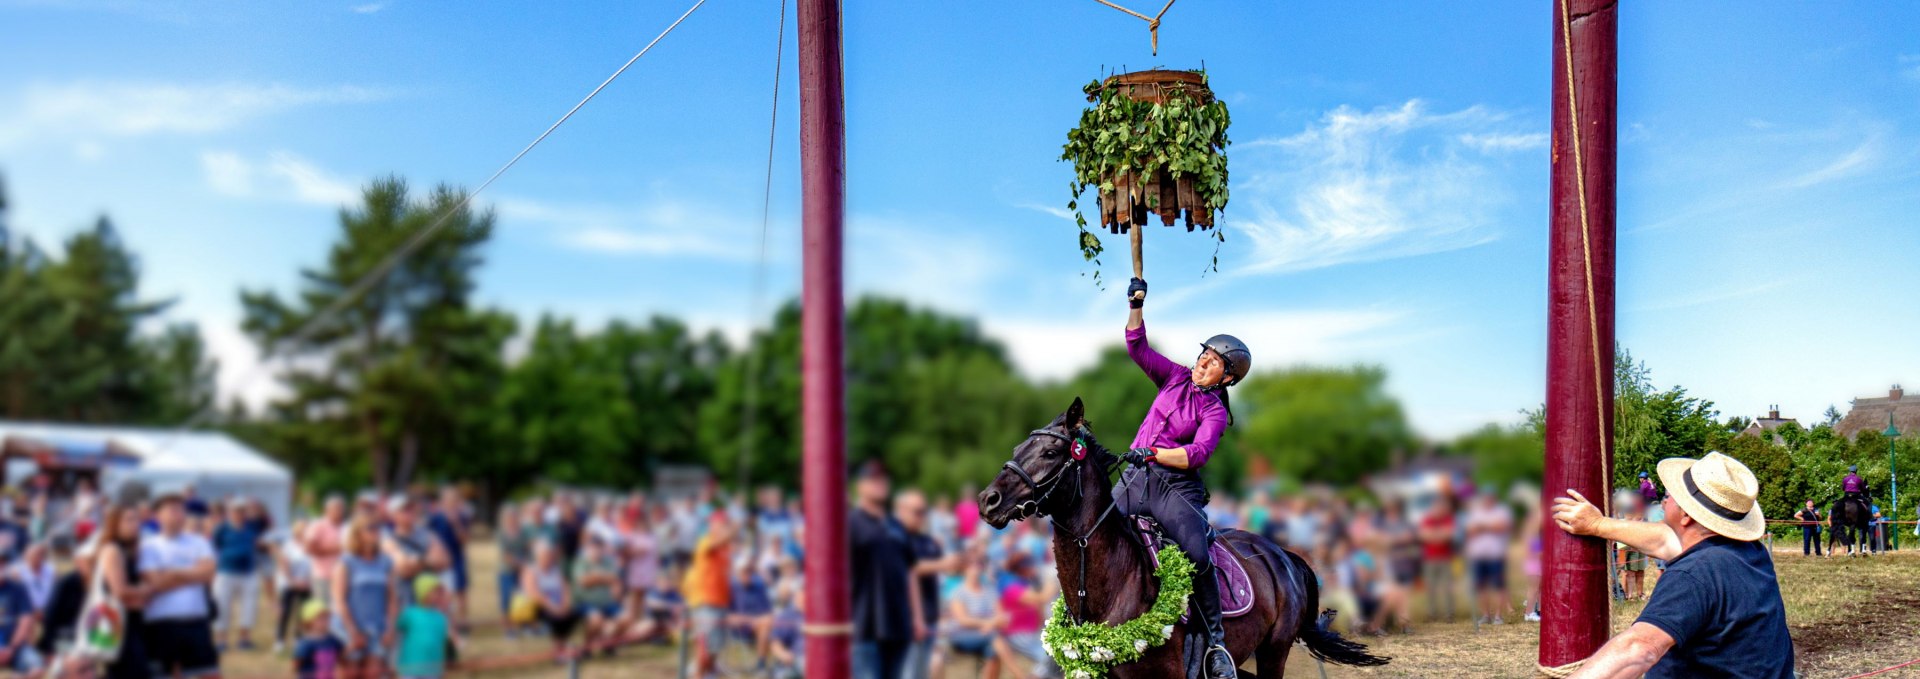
1135,198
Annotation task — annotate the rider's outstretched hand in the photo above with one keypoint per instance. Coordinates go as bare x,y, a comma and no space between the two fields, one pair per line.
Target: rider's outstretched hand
1136,292
1139,456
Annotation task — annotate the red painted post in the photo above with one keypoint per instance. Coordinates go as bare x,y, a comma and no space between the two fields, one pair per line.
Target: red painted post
1580,321
822,318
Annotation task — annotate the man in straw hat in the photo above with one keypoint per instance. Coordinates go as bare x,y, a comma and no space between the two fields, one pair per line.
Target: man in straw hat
1717,611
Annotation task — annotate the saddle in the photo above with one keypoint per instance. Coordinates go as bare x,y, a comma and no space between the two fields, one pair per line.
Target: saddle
1236,590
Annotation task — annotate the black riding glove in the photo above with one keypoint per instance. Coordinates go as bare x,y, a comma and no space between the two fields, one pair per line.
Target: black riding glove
1139,456
1136,293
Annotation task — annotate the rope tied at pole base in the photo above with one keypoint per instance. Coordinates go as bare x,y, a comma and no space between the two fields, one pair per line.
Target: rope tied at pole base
844,629
1561,672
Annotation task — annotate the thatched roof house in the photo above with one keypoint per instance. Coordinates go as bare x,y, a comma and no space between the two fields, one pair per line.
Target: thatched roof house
1764,426
1871,414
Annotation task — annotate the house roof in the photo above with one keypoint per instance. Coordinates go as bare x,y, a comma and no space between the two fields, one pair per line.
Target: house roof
1871,414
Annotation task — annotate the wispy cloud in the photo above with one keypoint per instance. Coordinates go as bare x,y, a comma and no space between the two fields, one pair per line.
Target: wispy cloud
934,261
1054,210
659,228
1855,161
369,8
1362,186
1055,349
1496,142
1910,66
1716,295
281,176
96,109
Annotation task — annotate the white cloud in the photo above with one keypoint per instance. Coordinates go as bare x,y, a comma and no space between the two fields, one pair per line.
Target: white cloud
95,109
368,8
1854,162
1057,348
281,176
1910,66
1365,186
1495,142
935,262
657,228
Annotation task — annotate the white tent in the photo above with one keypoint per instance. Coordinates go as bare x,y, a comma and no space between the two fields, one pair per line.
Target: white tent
169,460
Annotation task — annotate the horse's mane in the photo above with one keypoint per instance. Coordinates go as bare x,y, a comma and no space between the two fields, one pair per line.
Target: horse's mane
1101,459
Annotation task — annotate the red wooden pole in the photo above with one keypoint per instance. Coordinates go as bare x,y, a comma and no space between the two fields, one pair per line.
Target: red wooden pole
822,317
1580,321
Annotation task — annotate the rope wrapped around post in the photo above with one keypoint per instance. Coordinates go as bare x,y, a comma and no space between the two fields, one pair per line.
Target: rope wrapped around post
1561,672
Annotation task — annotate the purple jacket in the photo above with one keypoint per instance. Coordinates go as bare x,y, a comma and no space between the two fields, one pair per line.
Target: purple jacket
1851,484
1182,414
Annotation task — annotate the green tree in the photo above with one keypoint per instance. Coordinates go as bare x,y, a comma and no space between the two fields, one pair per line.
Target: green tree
1503,455
71,348
395,373
1651,425
1322,424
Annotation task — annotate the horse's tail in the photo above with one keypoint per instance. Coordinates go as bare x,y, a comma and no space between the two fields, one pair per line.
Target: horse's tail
1316,629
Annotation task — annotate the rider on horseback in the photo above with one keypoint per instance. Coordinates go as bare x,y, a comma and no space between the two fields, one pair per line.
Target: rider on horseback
1852,486
1176,438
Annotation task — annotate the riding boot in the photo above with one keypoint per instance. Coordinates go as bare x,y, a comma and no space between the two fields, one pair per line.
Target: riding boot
1206,595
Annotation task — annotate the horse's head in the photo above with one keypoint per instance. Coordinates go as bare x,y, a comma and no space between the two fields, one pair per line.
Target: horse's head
1033,481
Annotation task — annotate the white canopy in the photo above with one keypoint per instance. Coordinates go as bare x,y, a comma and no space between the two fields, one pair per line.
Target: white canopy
216,465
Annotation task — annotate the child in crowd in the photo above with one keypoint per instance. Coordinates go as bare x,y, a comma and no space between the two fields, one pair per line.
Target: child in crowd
424,632
318,654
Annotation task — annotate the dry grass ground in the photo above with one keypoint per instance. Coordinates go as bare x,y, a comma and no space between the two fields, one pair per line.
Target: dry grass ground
1847,617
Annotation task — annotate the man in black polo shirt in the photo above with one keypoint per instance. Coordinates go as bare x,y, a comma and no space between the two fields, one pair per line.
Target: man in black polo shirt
885,599
1717,611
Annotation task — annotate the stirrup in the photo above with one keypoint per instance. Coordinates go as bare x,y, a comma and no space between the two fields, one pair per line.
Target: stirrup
1217,654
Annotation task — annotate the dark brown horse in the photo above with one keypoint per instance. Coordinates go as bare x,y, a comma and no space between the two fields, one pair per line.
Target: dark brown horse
1096,554
1850,523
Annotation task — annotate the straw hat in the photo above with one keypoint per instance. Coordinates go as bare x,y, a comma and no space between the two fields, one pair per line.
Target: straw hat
1717,492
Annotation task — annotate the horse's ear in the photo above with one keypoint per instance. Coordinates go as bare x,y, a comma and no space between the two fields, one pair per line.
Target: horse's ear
1076,415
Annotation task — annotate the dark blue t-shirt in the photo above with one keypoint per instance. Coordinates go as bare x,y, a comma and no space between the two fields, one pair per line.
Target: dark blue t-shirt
236,548
442,527
14,607
1720,601
881,558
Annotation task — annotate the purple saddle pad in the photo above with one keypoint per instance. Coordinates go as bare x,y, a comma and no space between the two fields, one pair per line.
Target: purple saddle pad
1236,591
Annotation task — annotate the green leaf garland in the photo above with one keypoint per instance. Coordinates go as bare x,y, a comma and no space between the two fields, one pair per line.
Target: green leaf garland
1086,650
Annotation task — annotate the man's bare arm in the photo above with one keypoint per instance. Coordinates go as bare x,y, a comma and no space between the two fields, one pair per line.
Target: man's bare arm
1578,516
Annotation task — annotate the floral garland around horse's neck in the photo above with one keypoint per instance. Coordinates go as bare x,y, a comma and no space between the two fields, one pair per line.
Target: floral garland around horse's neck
1086,650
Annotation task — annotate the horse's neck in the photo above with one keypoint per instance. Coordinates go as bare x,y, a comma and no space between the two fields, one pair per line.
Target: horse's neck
1117,576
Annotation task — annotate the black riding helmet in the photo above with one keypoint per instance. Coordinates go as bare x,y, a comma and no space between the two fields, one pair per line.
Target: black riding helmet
1233,355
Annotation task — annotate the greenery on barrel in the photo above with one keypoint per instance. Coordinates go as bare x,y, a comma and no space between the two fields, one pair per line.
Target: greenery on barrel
1183,137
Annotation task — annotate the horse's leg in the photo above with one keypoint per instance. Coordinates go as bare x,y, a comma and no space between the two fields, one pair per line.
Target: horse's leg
1270,660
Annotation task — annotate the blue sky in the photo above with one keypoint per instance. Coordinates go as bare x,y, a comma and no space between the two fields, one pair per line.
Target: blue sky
1389,171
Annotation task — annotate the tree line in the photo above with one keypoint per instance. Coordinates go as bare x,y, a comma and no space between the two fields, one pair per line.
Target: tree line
412,380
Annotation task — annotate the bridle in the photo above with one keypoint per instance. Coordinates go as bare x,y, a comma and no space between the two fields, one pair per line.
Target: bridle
1077,452
1042,491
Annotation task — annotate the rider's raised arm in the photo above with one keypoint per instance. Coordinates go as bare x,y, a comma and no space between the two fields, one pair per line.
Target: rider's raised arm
1157,367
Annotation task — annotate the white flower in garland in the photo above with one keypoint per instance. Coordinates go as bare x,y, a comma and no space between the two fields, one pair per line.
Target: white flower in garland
1139,645
1166,633
1082,674
1071,653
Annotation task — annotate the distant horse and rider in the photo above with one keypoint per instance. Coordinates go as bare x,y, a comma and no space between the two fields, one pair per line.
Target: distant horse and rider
1850,523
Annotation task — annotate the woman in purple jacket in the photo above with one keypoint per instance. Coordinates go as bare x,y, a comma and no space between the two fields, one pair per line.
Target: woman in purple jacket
1177,437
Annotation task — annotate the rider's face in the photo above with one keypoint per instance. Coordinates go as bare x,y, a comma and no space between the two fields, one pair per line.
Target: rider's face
1208,369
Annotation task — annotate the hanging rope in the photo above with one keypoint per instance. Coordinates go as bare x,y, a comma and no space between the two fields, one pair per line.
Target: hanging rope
751,369
1153,22
1593,316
